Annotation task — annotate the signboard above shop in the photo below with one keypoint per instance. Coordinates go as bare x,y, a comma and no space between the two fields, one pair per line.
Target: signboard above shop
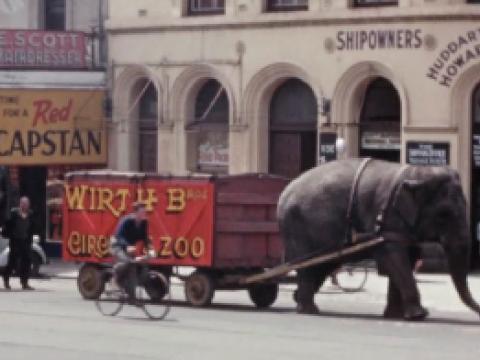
428,153
42,49
327,150
380,140
39,127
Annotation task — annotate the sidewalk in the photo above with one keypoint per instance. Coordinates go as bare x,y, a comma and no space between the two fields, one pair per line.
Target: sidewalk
57,268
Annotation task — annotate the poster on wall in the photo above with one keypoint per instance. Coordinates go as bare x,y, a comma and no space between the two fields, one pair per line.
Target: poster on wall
213,150
48,127
428,153
326,147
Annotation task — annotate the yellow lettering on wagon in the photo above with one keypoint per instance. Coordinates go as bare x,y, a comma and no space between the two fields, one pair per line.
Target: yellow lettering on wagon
176,199
149,199
75,196
99,198
87,245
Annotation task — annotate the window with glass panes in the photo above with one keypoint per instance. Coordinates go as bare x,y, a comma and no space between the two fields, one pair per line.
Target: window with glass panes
286,5
54,15
205,7
359,3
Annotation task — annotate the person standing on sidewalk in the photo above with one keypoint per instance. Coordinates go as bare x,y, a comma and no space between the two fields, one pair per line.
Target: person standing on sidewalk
19,229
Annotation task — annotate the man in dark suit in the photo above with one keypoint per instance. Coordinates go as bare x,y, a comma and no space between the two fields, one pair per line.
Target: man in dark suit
19,229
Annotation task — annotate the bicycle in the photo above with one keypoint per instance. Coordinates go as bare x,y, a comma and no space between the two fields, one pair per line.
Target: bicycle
152,293
351,277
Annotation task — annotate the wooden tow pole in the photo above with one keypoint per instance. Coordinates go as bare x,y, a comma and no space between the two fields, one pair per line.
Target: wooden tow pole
287,267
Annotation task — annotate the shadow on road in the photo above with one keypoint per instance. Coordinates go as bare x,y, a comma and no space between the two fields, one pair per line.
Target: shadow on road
374,317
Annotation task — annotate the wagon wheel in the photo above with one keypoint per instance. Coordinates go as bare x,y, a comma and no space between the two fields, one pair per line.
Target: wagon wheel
199,289
156,287
90,281
263,295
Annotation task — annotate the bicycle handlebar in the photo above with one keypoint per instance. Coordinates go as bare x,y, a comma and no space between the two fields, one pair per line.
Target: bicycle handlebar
149,255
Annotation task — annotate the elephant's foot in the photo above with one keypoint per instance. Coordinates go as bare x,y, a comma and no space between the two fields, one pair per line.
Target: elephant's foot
393,312
310,309
415,313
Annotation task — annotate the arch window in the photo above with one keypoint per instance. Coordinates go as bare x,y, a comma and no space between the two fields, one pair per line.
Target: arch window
147,128
293,129
210,126
380,121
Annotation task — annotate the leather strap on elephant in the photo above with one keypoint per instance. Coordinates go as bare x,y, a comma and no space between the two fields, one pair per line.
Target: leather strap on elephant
352,199
350,239
390,200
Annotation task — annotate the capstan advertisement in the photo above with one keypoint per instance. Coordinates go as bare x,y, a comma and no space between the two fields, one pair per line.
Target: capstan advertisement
50,127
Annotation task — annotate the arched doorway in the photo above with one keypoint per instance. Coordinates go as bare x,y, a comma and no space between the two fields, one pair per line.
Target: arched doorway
210,127
293,129
147,127
475,178
380,121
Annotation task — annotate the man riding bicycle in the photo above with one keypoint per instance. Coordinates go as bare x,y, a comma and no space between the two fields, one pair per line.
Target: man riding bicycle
131,229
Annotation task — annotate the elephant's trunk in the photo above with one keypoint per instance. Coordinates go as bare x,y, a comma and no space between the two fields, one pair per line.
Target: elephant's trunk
458,260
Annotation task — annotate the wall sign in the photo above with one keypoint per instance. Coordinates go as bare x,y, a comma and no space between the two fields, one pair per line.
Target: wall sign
42,49
476,150
327,150
455,56
52,127
379,39
428,153
380,140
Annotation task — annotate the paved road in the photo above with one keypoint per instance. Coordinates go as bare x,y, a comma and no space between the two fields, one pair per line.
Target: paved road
54,323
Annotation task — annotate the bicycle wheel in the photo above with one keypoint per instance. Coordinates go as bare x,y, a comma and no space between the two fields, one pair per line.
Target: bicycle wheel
352,277
110,301
155,308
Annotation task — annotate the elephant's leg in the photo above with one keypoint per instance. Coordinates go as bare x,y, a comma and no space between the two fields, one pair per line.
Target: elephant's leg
307,287
395,261
394,308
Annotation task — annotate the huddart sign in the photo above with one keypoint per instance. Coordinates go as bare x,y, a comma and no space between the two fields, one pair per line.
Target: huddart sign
51,127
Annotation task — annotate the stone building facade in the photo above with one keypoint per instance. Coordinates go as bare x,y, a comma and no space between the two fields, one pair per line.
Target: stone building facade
232,86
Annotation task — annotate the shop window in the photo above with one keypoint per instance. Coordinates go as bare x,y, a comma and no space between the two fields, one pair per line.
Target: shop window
206,7
54,15
286,5
362,3
210,128
147,128
473,1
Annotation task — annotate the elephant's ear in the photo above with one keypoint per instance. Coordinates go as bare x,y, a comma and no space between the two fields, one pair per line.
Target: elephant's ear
406,204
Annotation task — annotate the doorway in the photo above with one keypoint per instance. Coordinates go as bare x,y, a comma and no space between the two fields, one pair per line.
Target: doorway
475,178
293,129
380,120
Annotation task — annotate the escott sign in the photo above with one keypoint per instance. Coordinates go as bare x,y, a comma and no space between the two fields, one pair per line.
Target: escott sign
180,216
42,49
52,127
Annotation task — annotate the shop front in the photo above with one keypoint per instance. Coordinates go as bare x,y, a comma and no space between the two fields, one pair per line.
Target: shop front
43,134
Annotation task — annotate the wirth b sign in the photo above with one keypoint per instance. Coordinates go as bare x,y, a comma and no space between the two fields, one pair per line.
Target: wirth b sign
51,127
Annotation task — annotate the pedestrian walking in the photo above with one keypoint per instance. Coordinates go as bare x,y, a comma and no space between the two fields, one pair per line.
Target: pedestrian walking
19,229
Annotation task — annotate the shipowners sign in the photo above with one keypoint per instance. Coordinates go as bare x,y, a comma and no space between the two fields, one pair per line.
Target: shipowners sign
51,127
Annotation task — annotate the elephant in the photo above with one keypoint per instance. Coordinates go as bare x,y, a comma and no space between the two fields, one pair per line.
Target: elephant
425,203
